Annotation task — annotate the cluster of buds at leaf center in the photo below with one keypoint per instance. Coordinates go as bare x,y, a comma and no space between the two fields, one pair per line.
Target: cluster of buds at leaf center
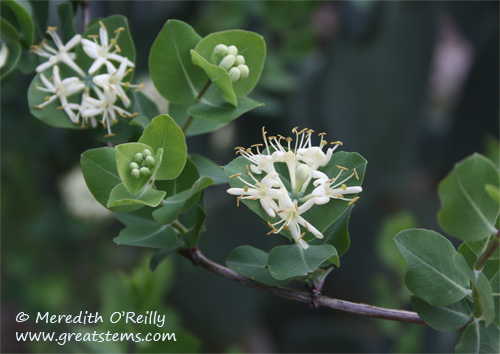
303,161
142,164
231,61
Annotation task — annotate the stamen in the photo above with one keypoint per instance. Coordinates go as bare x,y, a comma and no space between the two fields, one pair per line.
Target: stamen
102,25
93,36
295,129
352,201
239,148
337,143
356,174
245,188
50,29
235,175
342,168
344,187
300,237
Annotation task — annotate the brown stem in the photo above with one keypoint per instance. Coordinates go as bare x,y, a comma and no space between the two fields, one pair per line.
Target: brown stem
197,258
483,258
198,98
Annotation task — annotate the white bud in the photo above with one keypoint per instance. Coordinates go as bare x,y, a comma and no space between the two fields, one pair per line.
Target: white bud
234,73
135,173
150,161
138,157
302,174
245,71
145,171
134,166
240,60
146,152
220,49
227,62
232,50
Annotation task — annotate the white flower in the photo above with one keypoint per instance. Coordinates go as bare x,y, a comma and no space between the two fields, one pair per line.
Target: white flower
61,89
104,51
302,160
61,55
105,106
4,53
291,219
113,81
262,191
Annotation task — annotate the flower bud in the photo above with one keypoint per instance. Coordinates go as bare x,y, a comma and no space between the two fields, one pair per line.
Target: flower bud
240,60
146,152
134,166
220,49
232,50
302,174
227,61
135,173
145,171
138,157
234,73
244,71
150,161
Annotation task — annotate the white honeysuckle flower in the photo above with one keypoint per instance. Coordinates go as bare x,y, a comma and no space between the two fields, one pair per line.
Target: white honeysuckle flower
104,51
61,89
4,54
113,81
61,55
302,160
104,106
330,189
262,191
290,214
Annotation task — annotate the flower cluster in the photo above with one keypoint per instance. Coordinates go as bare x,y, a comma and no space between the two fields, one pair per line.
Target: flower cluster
302,160
99,91
231,61
142,164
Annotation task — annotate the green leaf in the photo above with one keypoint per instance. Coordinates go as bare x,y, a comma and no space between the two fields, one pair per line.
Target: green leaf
100,173
65,12
493,192
170,66
251,45
40,15
138,217
121,196
218,75
443,318
467,211
251,263
220,111
289,261
144,106
173,205
481,284
430,273
155,236
337,234
14,51
198,125
490,268
22,12
209,169
125,155
477,338
164,133
479,247
183,182
194,220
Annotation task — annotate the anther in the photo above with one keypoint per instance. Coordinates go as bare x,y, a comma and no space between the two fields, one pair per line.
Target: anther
352,201
321,134
342,168
295,129
337,143
300,237
344,187
356,174
235,175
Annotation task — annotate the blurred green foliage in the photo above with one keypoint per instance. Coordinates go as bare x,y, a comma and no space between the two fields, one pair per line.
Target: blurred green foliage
359,71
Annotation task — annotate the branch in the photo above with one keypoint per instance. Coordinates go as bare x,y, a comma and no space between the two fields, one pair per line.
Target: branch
197,258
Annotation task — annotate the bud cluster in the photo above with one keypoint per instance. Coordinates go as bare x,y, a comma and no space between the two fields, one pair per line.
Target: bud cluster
100,91
231,61
303,161
142,164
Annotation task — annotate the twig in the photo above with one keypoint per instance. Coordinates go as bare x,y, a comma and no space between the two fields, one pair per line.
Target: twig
481,261
198,98
197,258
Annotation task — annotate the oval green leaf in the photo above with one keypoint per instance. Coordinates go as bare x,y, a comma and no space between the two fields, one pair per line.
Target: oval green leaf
477,338
430,273
164,133
443,318
155,236
170,66
289,261
121,196
467,210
